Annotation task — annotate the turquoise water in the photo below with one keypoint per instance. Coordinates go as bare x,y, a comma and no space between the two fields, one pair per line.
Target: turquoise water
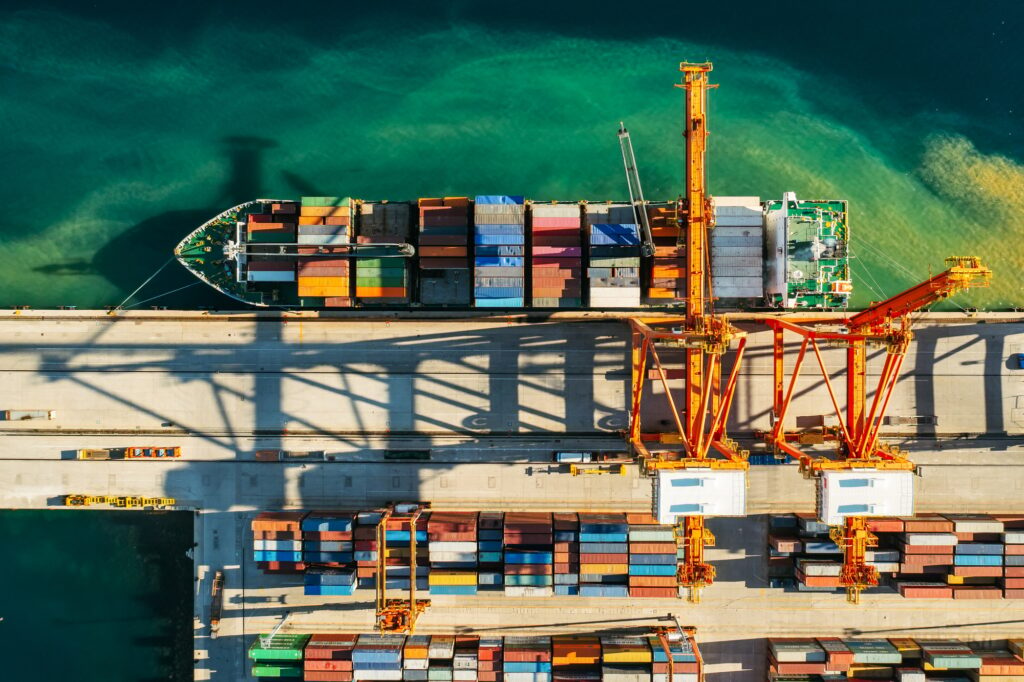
125,131
96,595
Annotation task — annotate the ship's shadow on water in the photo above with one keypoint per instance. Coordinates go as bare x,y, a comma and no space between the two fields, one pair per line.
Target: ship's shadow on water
128,259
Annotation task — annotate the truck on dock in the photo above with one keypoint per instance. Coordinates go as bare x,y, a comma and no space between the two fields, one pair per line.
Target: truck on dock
100,454
23,415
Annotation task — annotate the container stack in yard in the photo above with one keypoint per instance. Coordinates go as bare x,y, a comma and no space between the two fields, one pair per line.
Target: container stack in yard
529,554
556,267
567,553
667,280
382,280
614,256
737,251
604,555
328,658
444,276
950,556
274,227
499,247
489,551
653,558
468,658
279,655
462,553
903,659
453,553
277,542
324,222
327,548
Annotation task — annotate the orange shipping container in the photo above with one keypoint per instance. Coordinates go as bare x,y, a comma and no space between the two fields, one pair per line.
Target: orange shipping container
314,281
442,251
456,201
325,210
322,292
310,220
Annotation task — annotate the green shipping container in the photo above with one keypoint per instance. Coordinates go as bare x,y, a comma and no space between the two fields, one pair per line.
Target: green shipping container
277,671
326,201
278,648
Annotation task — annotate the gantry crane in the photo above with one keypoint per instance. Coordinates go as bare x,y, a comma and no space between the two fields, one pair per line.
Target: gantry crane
858,449
398,615
667,636
700,470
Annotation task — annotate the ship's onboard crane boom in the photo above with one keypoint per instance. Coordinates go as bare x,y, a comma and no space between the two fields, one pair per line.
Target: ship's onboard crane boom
888,324
636,192
698,444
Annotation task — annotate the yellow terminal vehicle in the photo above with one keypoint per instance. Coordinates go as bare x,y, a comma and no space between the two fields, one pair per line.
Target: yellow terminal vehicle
121,501
129,453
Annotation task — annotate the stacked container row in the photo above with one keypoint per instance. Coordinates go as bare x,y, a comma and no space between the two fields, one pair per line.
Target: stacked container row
462,553
667,281
468,658
324,222
614,253
499,243
956,556
453,553
737,248
444,251
382,280
277,542
902,659
556,268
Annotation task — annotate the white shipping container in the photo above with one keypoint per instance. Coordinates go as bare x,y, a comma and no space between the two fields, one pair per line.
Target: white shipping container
820,568
527,591
555,210
464,675
940,539
271,275
736,231
737,205
886,566
1015,537
736,262
737,292
735,251
453,556
277,545
416,663
722,220
968,523
677,677
797,652
910,675
527,677
441,547
882,556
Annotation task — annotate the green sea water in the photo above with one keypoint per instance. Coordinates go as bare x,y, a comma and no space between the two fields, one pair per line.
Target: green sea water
121,130
96,595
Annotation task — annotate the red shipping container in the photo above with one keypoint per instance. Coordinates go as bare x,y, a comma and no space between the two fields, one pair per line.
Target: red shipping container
930,557
595,558
1013,594
482,676
818,580
976,592
652,548
337,302
544,221
324,664
654,592
927,523
280,567
1013,550
653,581
327,676
796,668
1013,583
885,524
262,218
1010,521
1013,571
527,569
336,220
443,251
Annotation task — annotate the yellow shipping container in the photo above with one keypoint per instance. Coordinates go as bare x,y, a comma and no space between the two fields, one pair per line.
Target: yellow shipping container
625,654
451,578
907,647
607,569
416,651
322,292
324,210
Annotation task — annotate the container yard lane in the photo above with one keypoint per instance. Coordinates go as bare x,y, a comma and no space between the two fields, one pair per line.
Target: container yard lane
466,414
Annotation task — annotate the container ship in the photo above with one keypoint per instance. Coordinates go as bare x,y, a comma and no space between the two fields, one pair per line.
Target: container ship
504,252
